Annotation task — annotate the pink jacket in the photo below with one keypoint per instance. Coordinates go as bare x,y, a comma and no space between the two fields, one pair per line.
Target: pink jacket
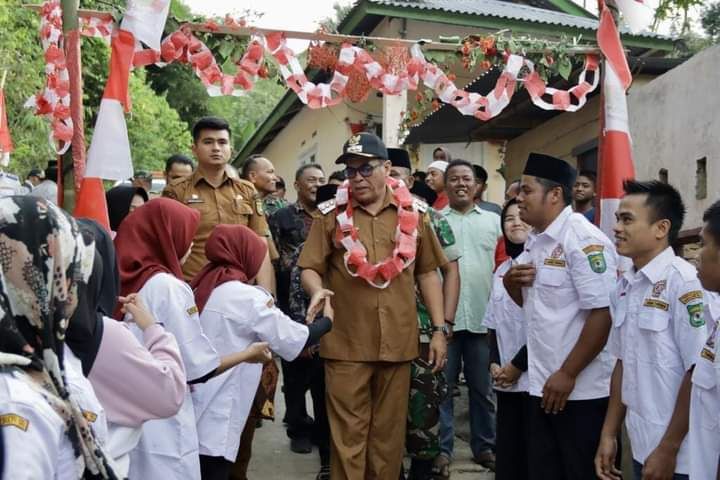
136,383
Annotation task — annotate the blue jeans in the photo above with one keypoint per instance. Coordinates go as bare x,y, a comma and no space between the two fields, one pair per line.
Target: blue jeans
471,350
637,471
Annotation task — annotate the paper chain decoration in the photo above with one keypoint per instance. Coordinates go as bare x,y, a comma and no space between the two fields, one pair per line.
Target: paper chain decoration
182,46
54,100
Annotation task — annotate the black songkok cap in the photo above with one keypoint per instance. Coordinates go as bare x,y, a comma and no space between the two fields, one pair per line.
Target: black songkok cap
399,157
550,168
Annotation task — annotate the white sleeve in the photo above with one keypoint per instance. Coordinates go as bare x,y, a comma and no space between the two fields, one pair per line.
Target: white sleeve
688,321
285,337
593,269
173,305
34,445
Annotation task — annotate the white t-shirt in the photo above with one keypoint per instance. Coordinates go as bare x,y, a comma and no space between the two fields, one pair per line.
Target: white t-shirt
36,445
235,316
506,318
658,330
576,271
168,448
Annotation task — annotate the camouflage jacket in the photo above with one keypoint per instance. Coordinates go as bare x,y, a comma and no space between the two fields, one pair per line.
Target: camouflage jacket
271,204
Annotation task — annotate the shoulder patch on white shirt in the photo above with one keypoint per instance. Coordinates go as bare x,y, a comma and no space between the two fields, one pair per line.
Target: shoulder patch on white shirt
14,420
691,295
596,257
192,310
89,416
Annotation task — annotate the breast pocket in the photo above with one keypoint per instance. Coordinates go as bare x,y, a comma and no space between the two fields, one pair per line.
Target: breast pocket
656,340
242,210
555,285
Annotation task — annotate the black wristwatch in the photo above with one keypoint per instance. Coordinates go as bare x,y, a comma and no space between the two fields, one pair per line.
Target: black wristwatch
443,329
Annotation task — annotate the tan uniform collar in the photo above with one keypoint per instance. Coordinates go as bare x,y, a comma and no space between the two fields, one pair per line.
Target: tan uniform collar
197,176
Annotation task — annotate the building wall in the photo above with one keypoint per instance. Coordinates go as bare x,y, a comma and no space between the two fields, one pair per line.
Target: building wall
674,122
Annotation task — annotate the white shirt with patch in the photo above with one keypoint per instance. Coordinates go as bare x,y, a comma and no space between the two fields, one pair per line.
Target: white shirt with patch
658,330
507,319
36,445
576,271
235,316
168,448
83,392
704,432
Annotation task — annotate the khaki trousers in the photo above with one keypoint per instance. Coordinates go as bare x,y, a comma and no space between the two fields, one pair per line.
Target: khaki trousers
367,408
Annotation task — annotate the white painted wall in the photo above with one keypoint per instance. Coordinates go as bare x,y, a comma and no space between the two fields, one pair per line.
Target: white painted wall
674,121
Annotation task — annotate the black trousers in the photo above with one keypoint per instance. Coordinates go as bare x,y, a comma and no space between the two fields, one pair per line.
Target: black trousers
563,446
511,439
299,376
214,468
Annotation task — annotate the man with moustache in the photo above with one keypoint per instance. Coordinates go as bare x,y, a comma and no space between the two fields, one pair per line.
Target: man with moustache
476,232
563,281
366,253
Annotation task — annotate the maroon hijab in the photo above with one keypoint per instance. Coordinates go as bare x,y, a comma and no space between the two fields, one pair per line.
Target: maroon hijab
153,239
234,252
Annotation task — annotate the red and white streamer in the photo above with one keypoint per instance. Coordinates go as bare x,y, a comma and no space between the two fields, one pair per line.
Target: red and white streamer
53,101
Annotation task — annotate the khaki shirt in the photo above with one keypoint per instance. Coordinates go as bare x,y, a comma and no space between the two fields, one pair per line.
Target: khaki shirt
233,202
371,324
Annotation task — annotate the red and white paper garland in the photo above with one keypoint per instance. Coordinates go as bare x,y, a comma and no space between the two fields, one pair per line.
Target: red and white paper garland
406,232
184,47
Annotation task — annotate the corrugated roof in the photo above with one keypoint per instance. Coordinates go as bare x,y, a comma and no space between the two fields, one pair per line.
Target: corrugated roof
504,9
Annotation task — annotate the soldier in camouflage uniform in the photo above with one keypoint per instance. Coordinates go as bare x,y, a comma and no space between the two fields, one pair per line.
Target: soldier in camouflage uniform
271,204
427,389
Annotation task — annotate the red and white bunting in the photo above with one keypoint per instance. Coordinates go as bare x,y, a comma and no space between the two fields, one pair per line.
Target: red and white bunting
6,146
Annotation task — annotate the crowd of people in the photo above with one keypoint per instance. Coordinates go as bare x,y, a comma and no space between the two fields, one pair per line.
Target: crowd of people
149,351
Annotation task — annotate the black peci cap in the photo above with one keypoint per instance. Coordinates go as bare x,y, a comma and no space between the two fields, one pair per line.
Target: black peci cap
399,157
550,168
363,145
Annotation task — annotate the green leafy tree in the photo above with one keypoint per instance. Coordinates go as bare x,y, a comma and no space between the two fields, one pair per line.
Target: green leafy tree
676,11
710,21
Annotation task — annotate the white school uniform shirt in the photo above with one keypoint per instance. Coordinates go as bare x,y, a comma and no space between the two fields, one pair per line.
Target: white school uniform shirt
168,448
235,316
658,330
704,431
36,443
506,318
83,392
576,271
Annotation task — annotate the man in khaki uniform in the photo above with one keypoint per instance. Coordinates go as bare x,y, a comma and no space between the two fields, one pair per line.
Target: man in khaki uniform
375,334
218,197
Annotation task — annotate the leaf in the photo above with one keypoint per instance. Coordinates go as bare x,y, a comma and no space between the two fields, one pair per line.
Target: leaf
564,67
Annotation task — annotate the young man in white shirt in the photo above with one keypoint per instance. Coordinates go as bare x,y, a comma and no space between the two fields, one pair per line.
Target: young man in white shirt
658,331
704,428
563,281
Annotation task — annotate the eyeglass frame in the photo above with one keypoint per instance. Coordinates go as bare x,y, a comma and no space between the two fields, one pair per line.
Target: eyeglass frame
351,172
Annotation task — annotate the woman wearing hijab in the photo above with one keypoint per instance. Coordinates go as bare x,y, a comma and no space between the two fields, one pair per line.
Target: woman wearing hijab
133,381
122,200
234,314
42,258
508,356
152,243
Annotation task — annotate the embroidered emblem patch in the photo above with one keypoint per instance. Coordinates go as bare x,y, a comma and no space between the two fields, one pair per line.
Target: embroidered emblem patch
658,288
259,206
14,420
655,303
596,258
557,253
555,262
695,311
192,310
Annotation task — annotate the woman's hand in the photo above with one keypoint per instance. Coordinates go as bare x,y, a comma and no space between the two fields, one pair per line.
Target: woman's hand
258,352
133,305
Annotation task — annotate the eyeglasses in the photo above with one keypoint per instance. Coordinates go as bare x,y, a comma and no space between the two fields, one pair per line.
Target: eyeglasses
365,170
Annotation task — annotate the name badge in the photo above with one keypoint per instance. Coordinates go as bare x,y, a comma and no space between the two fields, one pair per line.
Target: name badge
194,198
655,303
555,262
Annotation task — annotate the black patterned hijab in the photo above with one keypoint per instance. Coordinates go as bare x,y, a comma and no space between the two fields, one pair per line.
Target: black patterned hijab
43,257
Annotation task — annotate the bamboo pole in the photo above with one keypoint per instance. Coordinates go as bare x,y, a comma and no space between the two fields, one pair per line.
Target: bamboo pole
4,77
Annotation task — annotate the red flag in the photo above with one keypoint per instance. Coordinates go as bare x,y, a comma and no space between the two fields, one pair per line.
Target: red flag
615,160
6,145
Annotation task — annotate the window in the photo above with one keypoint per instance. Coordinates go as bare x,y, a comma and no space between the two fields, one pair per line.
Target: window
701,179
586,155
663,175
